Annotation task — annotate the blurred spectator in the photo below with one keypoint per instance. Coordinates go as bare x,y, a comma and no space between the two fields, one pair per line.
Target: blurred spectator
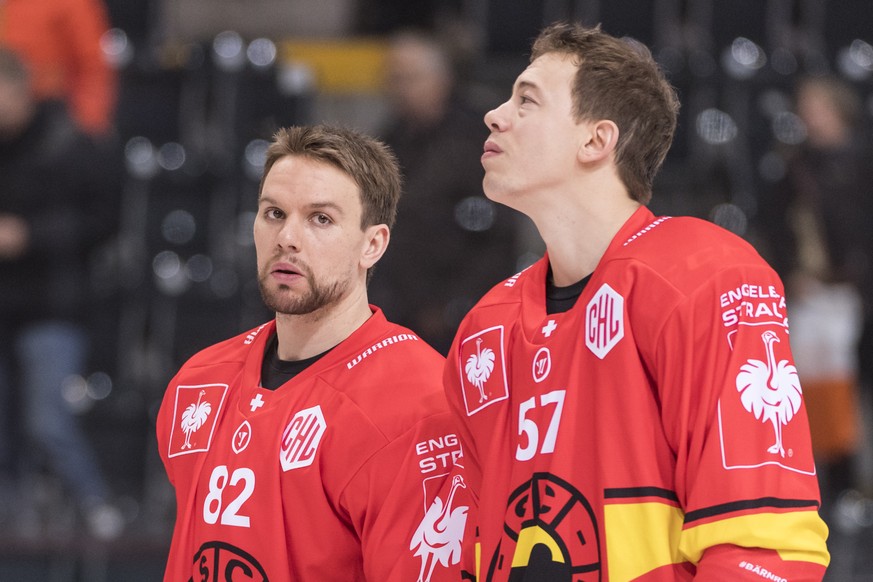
817,235
57,204
452,243
59,41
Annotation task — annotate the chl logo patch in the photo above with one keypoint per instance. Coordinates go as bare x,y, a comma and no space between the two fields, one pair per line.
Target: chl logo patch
194,418
483,369
604,321
301,438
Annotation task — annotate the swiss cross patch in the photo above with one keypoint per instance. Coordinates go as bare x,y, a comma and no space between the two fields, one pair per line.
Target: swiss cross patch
301,438
483,369
195,415
762,421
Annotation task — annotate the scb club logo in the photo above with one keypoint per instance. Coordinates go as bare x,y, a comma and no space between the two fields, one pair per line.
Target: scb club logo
550,534
222,562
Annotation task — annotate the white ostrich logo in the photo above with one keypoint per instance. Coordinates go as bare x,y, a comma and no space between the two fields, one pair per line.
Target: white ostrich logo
194,417
479,367
770,390
438,537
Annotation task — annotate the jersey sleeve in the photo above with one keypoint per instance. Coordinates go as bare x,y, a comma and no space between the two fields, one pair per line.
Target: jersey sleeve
162,432
732,406
408,505
471,464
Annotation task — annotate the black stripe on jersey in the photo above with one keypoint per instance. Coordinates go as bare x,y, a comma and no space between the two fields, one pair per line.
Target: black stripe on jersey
774,502
631,492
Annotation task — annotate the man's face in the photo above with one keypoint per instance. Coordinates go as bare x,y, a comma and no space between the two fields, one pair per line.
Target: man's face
825,128
16,108
534,136
417,82
308,238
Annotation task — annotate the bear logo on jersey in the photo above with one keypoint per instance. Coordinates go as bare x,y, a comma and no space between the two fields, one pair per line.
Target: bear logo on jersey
301,438
483,369
769,394
194,418
604,321
550,533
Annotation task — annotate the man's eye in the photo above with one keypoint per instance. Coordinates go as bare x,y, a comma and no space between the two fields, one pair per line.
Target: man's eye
525,99
273,213
322,219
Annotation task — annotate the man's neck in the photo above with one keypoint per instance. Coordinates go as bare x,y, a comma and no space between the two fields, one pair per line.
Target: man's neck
305,336
577,231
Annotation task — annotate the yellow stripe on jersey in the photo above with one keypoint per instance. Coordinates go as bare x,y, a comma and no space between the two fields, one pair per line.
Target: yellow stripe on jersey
641,537
795,536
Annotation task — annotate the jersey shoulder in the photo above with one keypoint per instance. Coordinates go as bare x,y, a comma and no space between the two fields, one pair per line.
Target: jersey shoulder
509,291
229,351
392,376
686,251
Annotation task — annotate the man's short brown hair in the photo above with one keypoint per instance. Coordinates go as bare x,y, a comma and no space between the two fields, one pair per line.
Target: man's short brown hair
369,162
617,79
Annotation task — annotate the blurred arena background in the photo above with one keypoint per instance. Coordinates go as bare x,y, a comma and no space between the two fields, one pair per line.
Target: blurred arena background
203,83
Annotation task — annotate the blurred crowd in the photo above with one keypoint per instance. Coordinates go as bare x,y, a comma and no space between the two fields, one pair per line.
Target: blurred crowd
131,138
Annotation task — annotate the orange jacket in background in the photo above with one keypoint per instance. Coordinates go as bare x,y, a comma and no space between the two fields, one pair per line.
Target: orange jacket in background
60,42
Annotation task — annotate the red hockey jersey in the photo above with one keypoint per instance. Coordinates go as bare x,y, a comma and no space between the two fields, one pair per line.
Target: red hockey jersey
655,431
345,473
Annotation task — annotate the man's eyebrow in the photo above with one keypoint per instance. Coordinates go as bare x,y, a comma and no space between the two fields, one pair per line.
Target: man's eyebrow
311,205
325,205
525,84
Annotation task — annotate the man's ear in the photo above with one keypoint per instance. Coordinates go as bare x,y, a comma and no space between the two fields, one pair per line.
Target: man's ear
601,140
375,243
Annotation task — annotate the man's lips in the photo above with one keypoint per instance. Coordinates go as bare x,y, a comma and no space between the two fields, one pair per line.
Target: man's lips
491,149
285,271
285,267
490,146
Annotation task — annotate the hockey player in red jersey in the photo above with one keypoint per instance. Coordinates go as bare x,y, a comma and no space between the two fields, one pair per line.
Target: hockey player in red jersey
319,445
629,406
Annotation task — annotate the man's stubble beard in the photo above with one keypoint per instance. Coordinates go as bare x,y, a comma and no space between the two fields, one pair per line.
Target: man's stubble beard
315,298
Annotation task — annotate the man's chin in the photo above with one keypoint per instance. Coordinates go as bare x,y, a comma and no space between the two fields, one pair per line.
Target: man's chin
283,301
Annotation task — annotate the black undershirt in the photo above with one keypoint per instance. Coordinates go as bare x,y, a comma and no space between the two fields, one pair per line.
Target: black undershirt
562,299
275,371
